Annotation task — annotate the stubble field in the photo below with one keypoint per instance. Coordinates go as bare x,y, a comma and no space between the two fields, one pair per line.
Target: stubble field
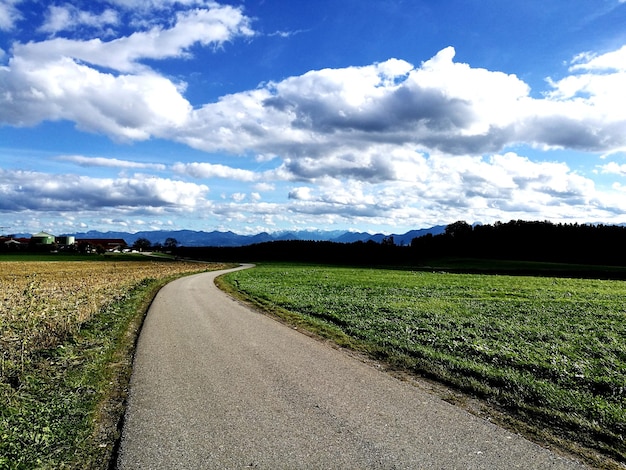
66,337
550,350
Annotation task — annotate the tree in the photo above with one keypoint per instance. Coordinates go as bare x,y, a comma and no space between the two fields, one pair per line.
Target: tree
170,243
388,241
142,244
458,229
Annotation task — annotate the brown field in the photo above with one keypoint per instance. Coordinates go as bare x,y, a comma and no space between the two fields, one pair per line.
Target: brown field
41,303
67,335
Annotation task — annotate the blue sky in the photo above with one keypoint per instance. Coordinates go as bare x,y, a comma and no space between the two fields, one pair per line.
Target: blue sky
368,115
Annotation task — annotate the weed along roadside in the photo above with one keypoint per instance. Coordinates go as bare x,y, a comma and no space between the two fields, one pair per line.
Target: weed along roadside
546,355
67,334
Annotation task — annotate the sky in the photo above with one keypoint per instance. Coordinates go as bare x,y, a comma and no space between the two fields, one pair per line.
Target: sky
272,115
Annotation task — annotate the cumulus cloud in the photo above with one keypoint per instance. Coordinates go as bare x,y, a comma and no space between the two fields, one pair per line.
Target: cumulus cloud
62,78
264,187
324,121
442,188
124,107
478,187
300,194
433,189
385,143
440,106
34,191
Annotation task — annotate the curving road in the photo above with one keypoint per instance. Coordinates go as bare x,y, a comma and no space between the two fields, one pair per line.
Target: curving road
216,385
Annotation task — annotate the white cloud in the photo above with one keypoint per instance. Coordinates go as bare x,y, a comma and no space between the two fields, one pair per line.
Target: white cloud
212,26
156,4
388,142
110,162
464,187
34,191
9,14
286,34
56,79
613,168
302,193
443,188
124,107
440,106
209,170
68,18
264,187
614,60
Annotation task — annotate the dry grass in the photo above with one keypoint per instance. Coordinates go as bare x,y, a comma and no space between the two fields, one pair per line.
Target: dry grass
67,333
41,303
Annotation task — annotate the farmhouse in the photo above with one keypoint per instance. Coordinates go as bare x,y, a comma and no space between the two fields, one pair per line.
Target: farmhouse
48,242
11,243
108,244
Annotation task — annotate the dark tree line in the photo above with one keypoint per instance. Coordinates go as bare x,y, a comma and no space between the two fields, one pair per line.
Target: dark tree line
357,253
529,241
514,240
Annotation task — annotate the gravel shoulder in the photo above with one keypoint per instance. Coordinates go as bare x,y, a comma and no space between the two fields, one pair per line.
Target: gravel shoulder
217,385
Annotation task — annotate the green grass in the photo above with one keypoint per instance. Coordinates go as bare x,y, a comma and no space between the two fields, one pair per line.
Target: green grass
550,350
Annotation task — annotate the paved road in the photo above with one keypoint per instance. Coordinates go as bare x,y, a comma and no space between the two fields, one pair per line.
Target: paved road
216,385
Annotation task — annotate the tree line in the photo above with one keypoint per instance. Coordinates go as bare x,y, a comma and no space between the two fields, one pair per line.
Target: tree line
529,241
514,240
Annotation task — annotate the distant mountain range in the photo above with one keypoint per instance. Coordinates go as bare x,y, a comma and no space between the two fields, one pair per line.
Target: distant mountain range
221,239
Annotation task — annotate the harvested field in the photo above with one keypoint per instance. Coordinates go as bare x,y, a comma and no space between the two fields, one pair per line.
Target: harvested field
42,302
67,331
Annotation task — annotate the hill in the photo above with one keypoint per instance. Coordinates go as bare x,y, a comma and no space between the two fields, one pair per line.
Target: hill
194,238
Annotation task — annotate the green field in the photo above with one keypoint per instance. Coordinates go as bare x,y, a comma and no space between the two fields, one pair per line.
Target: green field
552,351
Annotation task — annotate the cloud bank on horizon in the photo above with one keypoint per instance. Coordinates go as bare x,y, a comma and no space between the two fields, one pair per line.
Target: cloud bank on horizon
108,124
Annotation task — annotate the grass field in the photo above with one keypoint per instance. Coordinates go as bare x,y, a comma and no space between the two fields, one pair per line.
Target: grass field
550,350
67,332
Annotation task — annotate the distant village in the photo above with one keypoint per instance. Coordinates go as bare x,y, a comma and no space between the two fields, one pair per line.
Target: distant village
44,241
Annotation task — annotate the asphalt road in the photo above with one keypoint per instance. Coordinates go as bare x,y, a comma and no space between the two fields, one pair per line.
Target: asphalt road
216,385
